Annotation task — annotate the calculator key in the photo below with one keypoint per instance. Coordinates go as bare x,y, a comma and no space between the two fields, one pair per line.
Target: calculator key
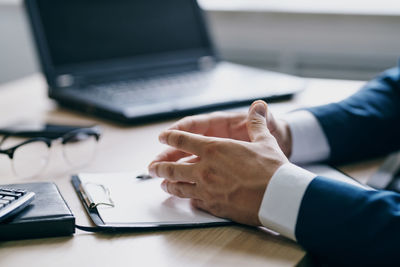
10,198
13,201
11,194
12,191
6,190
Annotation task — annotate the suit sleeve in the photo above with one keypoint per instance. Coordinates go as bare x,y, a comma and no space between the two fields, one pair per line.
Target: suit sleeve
343,224
366,124
339,223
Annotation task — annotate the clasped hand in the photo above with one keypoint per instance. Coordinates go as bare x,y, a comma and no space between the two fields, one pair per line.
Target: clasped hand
223,162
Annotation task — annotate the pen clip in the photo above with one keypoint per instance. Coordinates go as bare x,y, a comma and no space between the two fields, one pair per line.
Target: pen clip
92,203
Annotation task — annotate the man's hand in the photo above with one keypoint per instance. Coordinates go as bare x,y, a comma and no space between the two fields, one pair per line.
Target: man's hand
217,124
228,177
226,125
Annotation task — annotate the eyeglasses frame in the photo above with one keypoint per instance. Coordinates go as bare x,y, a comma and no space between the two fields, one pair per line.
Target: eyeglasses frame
91,131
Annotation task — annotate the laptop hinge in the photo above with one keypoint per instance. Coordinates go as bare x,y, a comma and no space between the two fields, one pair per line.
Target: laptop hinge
206,63
69,80
65,80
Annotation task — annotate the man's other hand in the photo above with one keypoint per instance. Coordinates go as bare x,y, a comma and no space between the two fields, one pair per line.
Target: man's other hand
226,176
232,125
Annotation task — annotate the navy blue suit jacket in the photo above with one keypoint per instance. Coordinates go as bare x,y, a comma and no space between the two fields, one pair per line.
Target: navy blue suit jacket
341,223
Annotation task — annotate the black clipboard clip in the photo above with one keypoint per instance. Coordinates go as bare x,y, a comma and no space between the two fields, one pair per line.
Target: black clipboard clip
92,203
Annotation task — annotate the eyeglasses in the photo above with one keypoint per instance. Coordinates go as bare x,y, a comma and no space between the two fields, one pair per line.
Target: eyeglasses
30,157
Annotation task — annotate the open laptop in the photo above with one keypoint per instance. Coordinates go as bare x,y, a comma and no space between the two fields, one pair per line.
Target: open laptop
139,60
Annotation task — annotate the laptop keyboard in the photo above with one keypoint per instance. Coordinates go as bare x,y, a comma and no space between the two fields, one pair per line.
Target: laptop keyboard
156,89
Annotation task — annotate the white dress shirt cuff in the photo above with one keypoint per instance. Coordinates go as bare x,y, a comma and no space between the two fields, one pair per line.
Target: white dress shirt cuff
309,143
281,202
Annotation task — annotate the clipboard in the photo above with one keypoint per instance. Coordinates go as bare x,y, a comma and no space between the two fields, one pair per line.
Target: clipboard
122,202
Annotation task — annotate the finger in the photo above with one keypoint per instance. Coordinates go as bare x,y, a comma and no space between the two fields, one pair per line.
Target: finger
272,123
170,154
194,124
180,172
256,121
182,190
192,159
187,142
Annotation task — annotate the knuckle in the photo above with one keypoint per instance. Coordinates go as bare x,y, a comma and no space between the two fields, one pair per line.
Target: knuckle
156,169
180,140
170,171
207,175
211,148
168,137
166,186
176,190
256,121
170,188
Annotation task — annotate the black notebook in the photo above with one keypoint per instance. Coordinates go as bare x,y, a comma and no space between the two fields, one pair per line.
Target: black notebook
47,216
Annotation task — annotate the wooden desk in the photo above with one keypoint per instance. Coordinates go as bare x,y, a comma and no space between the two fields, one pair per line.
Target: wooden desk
128,148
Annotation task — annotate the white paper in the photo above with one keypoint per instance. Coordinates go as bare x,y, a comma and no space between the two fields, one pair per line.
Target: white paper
141,201
144,202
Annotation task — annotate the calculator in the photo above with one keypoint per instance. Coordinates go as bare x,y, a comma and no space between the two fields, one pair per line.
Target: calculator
13,201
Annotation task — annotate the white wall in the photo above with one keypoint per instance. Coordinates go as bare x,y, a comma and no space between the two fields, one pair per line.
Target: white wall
306,44
16,51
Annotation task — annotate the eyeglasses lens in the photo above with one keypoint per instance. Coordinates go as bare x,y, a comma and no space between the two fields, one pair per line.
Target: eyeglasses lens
30,159
80,149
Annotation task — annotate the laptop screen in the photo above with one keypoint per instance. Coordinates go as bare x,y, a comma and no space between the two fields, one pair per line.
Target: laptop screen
92,31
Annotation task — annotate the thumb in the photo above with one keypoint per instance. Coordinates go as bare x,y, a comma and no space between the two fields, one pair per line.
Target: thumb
256,121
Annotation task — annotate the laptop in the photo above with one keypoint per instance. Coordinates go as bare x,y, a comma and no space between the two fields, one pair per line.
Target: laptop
134,61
